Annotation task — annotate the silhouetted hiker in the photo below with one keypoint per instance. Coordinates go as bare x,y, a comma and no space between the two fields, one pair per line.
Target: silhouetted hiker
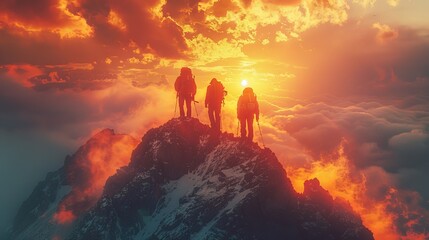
247,107
186,89
214,98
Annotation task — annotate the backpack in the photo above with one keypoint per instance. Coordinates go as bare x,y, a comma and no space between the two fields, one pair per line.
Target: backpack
248,103
185,83
218,92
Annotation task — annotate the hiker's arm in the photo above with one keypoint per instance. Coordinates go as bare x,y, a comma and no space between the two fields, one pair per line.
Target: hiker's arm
207,96
194,86
239,108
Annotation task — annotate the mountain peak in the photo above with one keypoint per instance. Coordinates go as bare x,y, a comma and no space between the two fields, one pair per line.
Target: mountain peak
313,189
103,133
185,182
74,188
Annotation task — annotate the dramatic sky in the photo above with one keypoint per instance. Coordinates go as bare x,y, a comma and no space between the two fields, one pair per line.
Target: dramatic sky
343,87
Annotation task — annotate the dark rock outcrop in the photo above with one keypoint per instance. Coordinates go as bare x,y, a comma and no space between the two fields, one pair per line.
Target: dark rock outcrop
185,183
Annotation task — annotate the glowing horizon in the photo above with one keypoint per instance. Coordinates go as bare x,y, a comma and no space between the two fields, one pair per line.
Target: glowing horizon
330,75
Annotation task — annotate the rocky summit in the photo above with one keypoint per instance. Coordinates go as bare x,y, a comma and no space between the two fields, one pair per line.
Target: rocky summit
185,182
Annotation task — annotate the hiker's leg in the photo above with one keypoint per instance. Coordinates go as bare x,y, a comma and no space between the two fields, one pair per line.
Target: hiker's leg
211,117
243,127
181,102
188,106
217,117
250,127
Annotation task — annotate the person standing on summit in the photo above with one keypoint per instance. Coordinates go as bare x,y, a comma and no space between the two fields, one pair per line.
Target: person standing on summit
186,89
247,108
214,98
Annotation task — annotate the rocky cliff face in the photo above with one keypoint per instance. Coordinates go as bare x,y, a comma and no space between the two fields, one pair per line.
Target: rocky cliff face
183,182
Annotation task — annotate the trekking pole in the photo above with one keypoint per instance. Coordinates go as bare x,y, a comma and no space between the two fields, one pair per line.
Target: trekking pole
196,110
238,126
220,120
175,106
260,133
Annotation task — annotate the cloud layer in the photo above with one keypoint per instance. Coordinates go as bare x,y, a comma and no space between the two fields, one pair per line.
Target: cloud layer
330,76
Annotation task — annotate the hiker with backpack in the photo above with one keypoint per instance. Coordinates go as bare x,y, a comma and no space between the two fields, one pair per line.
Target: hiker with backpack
247,108
186,89
214,98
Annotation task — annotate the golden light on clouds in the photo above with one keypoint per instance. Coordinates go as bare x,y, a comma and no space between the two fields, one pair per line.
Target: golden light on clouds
291,52
77,26
385,33
206,50
115,20
281,37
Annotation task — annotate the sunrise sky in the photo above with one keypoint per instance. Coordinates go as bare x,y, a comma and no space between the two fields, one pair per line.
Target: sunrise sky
343,87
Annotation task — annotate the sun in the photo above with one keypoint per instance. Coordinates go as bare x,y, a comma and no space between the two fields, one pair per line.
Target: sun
244,82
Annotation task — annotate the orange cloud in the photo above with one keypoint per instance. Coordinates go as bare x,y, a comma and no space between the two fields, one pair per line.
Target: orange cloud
385,33
222,7
22,73
64,217
34,13
46,15
336,175
88,170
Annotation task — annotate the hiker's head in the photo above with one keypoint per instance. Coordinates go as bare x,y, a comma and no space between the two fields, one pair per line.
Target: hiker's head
185,71
214,80
248,91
